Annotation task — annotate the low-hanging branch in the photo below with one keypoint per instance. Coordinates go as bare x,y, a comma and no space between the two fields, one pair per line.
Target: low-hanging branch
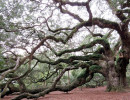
24,89
2,76
16,78
71,59
80,80
43,79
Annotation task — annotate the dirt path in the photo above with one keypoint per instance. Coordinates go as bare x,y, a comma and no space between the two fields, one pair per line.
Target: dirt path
84,94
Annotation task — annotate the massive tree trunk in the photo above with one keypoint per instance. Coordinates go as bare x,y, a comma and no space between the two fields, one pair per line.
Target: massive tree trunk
124,60
122,71
116,75
112,77
126,45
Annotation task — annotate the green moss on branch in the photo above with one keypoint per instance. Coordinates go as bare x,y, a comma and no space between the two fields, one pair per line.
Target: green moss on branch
101,41
95,68
71,59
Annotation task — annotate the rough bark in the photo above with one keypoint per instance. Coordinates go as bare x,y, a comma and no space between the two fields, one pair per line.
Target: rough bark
123,62
112,77
116,76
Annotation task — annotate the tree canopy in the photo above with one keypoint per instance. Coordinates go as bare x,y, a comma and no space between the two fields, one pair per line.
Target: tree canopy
43,43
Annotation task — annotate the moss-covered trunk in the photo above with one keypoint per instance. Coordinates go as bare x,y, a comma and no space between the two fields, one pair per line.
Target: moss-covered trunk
112,77
116,76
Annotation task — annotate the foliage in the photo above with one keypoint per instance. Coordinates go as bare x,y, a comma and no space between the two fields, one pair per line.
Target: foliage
52,45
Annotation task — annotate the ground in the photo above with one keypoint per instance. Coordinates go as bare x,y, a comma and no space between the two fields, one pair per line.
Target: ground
84,94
